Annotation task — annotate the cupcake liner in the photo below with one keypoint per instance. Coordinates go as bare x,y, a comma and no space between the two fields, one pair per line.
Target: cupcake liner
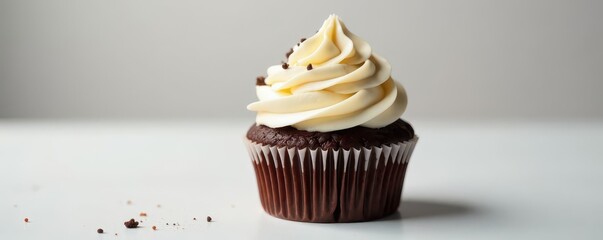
326,185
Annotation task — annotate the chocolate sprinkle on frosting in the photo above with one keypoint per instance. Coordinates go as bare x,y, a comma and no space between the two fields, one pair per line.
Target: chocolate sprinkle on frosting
285,65
260,81
302,40
309,67
289,52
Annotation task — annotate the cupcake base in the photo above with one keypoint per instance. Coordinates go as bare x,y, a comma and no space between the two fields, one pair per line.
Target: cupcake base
327,185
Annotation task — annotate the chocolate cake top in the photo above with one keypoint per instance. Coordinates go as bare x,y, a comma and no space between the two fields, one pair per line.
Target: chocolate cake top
354,137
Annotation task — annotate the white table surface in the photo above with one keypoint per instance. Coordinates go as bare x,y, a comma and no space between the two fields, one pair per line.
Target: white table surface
472,180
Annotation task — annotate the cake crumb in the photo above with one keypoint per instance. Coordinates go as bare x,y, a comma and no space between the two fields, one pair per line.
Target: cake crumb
26,220
195,218
131,224
208,219
154,228
100,231
143,214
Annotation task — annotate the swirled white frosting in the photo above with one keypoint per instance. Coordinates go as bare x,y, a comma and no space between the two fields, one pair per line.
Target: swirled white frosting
347,86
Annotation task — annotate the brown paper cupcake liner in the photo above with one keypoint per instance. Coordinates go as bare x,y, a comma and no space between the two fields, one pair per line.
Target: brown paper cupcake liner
326,185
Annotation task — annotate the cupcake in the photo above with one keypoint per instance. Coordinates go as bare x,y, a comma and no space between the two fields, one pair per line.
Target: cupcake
328,144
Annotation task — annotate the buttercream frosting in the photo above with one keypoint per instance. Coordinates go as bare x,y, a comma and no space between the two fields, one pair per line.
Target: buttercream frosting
346,85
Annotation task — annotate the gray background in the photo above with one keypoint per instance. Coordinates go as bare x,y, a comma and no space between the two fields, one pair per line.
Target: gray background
120,59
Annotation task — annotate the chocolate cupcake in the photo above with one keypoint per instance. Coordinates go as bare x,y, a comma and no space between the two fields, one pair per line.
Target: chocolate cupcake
328,144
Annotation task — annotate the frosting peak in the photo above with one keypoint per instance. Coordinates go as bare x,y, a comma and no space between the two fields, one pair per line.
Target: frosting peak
332,44
345,86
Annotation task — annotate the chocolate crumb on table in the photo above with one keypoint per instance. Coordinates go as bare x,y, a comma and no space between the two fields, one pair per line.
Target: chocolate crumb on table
143,214
195,218
208,219
131,224
129,202
154,228
158,205
100,230
26,220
